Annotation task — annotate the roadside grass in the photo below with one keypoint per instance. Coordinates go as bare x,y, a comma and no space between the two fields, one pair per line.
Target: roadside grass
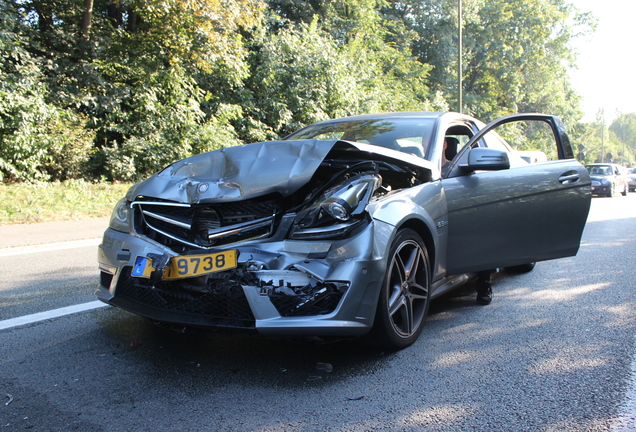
26,203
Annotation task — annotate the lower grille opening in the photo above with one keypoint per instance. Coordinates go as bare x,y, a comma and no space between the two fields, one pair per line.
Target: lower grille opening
321,303
309,299
105,279
219,303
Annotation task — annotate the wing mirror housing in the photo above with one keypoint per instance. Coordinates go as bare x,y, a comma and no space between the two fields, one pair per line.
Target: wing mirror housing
487,159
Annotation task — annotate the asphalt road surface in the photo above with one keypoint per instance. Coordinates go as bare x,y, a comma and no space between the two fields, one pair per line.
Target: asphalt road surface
553,352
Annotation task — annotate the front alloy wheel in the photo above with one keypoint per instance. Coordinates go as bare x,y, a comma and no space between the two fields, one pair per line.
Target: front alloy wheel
405,294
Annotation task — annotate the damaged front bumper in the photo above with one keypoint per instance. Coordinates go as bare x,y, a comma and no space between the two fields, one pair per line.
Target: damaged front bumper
280,288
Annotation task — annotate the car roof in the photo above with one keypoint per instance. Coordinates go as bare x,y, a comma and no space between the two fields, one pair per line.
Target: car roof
393,115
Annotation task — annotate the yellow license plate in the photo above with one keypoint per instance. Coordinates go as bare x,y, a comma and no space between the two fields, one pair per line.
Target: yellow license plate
185,266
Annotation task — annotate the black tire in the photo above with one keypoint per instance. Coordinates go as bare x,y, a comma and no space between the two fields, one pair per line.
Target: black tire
405,293
612,190
625,190
522,268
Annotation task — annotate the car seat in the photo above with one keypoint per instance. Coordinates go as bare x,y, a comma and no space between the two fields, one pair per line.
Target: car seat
451,147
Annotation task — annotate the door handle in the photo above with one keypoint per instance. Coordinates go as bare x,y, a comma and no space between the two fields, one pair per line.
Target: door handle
569,178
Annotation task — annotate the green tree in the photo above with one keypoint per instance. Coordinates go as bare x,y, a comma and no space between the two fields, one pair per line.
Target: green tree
624,128
131,86
38,140
156,90
515,52
302,75
600,142
326,59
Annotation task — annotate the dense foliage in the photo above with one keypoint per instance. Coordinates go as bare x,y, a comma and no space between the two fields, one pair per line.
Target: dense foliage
612,142
114,89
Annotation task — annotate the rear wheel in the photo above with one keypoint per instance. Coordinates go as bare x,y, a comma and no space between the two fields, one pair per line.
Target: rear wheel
405,294
625,189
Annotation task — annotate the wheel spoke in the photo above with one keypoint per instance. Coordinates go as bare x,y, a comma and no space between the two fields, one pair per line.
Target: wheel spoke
401,268
396,295
408,318
402,315
412,264
398,303
418,292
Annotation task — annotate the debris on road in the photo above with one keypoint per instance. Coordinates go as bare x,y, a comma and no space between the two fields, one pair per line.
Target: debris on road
355,398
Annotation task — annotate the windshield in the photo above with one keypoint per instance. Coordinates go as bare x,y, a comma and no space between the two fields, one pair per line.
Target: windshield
600,170
409,135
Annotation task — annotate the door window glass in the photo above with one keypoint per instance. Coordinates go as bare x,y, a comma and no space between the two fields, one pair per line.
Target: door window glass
530,141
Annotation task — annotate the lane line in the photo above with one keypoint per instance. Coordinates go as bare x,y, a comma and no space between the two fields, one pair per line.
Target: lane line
55,313
626,421
23,250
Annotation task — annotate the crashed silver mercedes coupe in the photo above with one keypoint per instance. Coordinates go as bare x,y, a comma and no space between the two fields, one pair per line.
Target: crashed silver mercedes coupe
345,228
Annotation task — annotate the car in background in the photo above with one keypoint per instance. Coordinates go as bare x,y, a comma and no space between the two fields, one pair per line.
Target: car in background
631,179
608,179
348,227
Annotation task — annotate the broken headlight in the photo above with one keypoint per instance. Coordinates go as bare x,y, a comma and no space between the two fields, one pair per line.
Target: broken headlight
337,211
120,218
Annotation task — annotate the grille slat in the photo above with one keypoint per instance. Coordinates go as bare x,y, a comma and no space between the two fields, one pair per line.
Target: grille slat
168,220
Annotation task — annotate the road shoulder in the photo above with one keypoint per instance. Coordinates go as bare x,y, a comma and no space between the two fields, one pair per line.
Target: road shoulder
51,232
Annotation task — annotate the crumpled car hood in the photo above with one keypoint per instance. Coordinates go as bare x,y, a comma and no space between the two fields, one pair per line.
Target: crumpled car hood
253,170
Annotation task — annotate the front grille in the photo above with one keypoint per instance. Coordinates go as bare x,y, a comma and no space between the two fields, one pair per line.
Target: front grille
204,225
220,302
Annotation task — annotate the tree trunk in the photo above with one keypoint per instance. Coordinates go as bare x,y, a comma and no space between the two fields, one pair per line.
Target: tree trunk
87,17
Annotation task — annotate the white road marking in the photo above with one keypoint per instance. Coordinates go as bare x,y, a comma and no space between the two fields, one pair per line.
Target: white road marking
23,250
55,313
626,421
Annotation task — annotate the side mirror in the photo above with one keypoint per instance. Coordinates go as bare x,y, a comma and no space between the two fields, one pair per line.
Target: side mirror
487,159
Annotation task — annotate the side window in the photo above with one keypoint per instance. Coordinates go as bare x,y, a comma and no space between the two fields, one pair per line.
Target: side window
528,141
513,141
455,139
493,140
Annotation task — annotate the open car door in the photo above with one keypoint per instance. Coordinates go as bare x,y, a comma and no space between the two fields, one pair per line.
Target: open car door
506,210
